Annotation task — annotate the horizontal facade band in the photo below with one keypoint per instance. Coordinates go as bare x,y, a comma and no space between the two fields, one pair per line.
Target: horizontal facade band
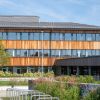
26,44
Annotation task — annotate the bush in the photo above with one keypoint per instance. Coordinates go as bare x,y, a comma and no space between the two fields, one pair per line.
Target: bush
93,95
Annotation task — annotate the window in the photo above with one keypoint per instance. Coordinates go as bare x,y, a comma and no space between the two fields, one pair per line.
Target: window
93,52
36,36
81,37
97,52
36,53
88,53
52,53
67,36
11,36
0,35
31,36
17,53
24,53
57,53
73,36
74,53
62,36
24,36
46,53
31,53
68,52
18,36
93,37
11,52
88,37
63,53
5,36
46,36
97,37
83,53
55,36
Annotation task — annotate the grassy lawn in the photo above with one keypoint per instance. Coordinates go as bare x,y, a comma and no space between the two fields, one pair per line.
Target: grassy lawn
9,83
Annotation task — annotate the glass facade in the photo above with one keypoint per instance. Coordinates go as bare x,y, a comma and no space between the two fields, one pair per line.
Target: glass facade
52,36
52,53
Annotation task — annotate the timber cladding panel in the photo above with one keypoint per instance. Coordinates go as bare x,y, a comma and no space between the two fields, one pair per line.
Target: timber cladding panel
22,61
25,44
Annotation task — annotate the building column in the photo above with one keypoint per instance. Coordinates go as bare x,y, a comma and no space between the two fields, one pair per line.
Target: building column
89,70
68,70
77,73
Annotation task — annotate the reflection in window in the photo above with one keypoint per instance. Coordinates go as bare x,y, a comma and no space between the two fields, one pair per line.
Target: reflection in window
36,36
74,53
67,36
55,36
68,52
0,35
24,36
97,37
88,37
63,53
46,36
5,36
11,36
97,52
31,53
17,53
73,36
83,53
36,53
93,52
31,35
81,37
52,53
11,52
24,53
88,53
62,36
46,53
18,36
93,37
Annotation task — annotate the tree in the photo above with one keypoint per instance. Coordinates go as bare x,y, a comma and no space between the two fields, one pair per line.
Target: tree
4,56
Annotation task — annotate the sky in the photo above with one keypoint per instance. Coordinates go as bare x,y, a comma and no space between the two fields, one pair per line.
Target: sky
79,11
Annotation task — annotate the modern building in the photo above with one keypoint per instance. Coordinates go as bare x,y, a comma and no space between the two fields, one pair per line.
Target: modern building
37,46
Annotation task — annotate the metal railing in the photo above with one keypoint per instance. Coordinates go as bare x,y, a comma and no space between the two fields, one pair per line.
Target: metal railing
23,94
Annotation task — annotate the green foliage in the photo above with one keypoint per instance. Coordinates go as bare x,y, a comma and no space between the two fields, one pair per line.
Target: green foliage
4,56
59,90
93,95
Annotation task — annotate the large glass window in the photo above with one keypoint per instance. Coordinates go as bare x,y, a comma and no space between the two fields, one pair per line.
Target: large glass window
55,36
74,53
36,53
46,53
24,36
62,36
36,36
5,36
83,53
68,52
11,36
93,52
31,53
46,36
88,37
11,52
0,35
93,37
81,37
53,53
63,53
88,53
67,36
18,36
24,53
97,52
31,36
17,53
73,36
97,37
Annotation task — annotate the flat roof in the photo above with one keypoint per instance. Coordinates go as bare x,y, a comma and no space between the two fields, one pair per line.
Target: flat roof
19,21
82,61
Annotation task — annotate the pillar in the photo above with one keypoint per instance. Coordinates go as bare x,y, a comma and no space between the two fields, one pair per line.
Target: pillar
89,70
77,73
68,70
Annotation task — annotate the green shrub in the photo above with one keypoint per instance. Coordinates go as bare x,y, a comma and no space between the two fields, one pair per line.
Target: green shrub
93,95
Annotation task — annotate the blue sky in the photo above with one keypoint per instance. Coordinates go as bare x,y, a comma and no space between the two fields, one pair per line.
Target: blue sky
80,11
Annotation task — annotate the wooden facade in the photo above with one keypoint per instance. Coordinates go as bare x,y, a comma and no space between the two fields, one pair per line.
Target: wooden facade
36,44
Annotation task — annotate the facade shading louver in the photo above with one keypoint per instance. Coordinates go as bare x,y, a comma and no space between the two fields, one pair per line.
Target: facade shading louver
32,43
